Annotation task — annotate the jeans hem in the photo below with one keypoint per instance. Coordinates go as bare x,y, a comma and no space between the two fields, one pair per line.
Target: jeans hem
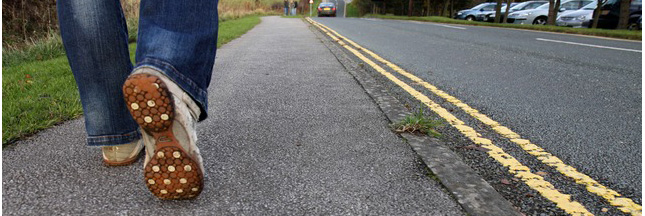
111,140
198,94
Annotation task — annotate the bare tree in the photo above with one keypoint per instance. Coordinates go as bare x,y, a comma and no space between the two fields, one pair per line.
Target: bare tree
445,7
596,14
623,17
553,11
508,6
452,12
498,10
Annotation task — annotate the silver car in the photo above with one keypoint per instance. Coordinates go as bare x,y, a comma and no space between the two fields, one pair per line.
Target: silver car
577,19
538,16
518,7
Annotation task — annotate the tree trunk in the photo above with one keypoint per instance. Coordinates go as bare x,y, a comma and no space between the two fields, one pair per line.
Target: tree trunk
498,10
445,7
508,6
553,11
410,2
596,15
623,17
452,11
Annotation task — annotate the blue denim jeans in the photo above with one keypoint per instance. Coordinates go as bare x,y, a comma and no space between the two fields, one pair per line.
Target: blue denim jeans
176,38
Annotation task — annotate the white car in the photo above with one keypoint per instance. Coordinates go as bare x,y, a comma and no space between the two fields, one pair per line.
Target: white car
518,7
577,19
538,16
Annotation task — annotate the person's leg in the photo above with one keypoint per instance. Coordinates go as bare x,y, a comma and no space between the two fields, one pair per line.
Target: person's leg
95,38
167,91
179,39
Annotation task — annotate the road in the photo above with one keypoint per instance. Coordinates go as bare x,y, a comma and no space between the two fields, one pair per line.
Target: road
579,98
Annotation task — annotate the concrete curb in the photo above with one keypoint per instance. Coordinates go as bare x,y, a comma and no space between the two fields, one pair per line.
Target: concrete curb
470,190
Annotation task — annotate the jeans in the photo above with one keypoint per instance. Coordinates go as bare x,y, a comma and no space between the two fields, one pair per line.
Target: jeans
176,38
293,11
286,11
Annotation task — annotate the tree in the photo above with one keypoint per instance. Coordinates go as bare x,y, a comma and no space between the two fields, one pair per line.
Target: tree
508,6
623,17
553,11
596,14
498,10
452,11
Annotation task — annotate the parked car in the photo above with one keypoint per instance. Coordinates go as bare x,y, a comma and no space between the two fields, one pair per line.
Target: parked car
327,9
518,7
471,14
483,16
578,18
539,15
610,11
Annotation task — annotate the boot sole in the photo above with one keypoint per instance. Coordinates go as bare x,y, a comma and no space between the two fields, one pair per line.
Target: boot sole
172,173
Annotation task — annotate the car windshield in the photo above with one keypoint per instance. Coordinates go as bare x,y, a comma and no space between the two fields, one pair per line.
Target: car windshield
480,6
590,6
519,6
543,7
512,6
325,4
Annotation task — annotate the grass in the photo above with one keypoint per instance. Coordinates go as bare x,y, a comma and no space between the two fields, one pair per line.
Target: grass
418,123
40,93
296,16
621,34
229,30
49,48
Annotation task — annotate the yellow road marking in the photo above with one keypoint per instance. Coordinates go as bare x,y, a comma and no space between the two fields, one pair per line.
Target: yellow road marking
614,198
520,171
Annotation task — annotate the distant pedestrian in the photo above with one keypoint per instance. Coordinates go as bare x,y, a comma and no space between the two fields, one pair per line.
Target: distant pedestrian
294,11
286,8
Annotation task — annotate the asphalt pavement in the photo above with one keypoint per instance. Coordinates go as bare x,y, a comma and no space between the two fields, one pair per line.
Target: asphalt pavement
289,132
577,97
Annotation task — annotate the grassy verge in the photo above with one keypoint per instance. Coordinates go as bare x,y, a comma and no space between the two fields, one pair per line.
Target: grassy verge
229,30
39,93
621,34
49,48
296,16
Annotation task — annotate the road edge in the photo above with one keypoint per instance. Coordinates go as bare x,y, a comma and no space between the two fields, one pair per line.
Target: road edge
468,188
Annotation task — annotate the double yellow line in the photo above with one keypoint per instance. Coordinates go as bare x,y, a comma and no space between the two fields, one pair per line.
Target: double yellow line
520,171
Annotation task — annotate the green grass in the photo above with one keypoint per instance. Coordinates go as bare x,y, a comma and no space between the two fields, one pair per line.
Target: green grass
418,123
229,30
621,34
296,16
49,48
38,94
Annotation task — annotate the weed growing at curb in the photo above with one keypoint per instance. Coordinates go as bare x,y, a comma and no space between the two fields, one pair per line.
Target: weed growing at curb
418,123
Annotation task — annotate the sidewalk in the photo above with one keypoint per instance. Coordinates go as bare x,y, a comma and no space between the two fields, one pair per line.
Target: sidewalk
289,132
